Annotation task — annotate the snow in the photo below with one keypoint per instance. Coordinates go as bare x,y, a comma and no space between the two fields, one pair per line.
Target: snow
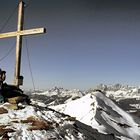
13,119
123,94
135,105
76,115
58,95
59,91
98,111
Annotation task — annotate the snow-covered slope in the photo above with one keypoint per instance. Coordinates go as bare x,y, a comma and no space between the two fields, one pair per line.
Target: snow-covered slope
127,97
101,113
98,114
36,123
39,123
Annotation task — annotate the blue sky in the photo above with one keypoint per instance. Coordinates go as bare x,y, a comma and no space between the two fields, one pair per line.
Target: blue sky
88,42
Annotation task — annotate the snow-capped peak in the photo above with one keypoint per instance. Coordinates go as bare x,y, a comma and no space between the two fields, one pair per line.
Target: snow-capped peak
101,113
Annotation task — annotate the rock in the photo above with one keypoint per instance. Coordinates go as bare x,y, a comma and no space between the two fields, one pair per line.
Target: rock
15,100
11,106
3,110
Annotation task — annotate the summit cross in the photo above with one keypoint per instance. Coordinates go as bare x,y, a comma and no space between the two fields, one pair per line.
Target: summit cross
18,79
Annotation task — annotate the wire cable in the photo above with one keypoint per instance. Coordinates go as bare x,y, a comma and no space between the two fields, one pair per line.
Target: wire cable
3,27
8,19
29,63
8,52
27,4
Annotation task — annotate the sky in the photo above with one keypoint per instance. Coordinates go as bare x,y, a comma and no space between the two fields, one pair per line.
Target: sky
87,42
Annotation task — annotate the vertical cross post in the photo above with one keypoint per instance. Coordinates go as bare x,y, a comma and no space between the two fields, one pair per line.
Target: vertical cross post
19,44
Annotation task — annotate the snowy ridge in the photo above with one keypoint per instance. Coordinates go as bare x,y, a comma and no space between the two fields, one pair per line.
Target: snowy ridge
61,92
99,112
39,123
116,92
56,96
120,94
35,123
120,91
74,115
114,87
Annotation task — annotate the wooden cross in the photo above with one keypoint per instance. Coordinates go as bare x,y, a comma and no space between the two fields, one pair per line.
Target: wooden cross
18,80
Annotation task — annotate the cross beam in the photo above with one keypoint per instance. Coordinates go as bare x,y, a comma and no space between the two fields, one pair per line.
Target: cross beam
23,33
18,34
